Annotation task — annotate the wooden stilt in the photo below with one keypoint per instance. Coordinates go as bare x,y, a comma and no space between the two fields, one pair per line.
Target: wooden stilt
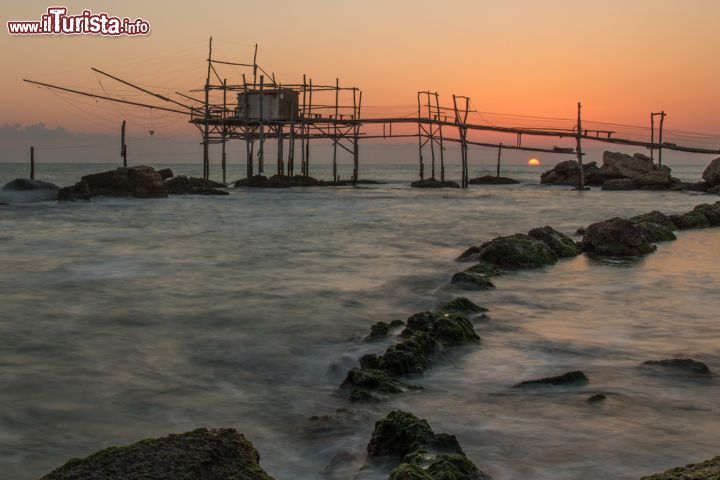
32,163
123,146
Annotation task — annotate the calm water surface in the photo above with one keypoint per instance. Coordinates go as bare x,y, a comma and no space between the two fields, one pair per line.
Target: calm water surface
122,319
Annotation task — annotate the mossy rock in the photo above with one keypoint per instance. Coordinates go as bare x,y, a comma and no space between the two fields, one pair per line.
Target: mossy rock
655,217
208,454
399,434
711,212
516,251
616,237
462,305
471,281
709,470
455,467
366,383
407,471
691,220
558,242
381,329
410,355
655,232
443,327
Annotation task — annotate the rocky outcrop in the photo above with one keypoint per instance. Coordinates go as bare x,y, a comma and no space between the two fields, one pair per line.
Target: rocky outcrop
566,173
381,329
680,364
166,173
492,180
26,190
512,252
424,454
476,277
616,237
711,175
425,334
709,470
655,217
702,216
182,185
561,244
139,181
569,378
433,183
208,454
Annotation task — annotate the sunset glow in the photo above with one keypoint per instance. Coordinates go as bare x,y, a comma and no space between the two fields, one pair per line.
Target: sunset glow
534,162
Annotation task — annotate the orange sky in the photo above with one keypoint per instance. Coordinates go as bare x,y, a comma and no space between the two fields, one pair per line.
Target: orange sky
623,59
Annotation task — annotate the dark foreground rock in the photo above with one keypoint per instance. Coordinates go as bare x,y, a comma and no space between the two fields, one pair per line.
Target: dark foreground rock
680,364
616,237
424,453
709,470
26,190
286,181
656,226
512,252
425,334
166,173
561,244
433,183
182,185
139,181
569,378
216,454
492,180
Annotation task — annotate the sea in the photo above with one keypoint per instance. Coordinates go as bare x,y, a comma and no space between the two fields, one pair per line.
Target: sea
123,319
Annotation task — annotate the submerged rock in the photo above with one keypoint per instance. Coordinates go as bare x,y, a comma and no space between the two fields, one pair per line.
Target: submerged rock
462,305
182,185
443,327
570,378
409,471
25,190
433,183
682,364
709,470
561,244
492,180
711,175
215,454
139,181
616,237
366,383
512,252
472,280
381,329
455,467
597,398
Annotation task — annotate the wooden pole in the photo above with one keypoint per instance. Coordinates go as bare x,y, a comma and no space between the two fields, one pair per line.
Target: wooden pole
497,173
442,153
356,144
261,148
432,137
303,120
123,146
581,170
32,163
280,153
250,157
224,133
462,140
307,141
206,130
422,167
660,137
652,136
335,130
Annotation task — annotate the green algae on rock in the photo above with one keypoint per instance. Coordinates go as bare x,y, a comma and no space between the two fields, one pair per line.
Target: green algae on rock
462,305
513,252
208,454
558,242
616,237
709,470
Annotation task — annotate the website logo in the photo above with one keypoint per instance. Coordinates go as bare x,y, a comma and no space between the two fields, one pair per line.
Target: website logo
56,21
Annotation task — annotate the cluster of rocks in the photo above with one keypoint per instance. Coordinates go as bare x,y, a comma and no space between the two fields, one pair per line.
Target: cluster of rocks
286,181
422,453
424,335
26,190
619,171
138,181
434,183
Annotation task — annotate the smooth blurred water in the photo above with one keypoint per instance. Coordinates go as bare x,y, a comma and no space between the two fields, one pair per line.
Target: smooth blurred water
126,318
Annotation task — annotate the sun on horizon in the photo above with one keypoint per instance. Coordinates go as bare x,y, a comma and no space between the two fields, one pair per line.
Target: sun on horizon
533,162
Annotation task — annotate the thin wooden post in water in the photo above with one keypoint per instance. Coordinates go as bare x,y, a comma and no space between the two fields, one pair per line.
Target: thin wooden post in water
356,132
581,170
280,153
432,137
206,131
422,166
261,148
250,160
497,173
303,120
335,129
32,163
660,137
224,132
307,142
123,147
442,153
652,136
